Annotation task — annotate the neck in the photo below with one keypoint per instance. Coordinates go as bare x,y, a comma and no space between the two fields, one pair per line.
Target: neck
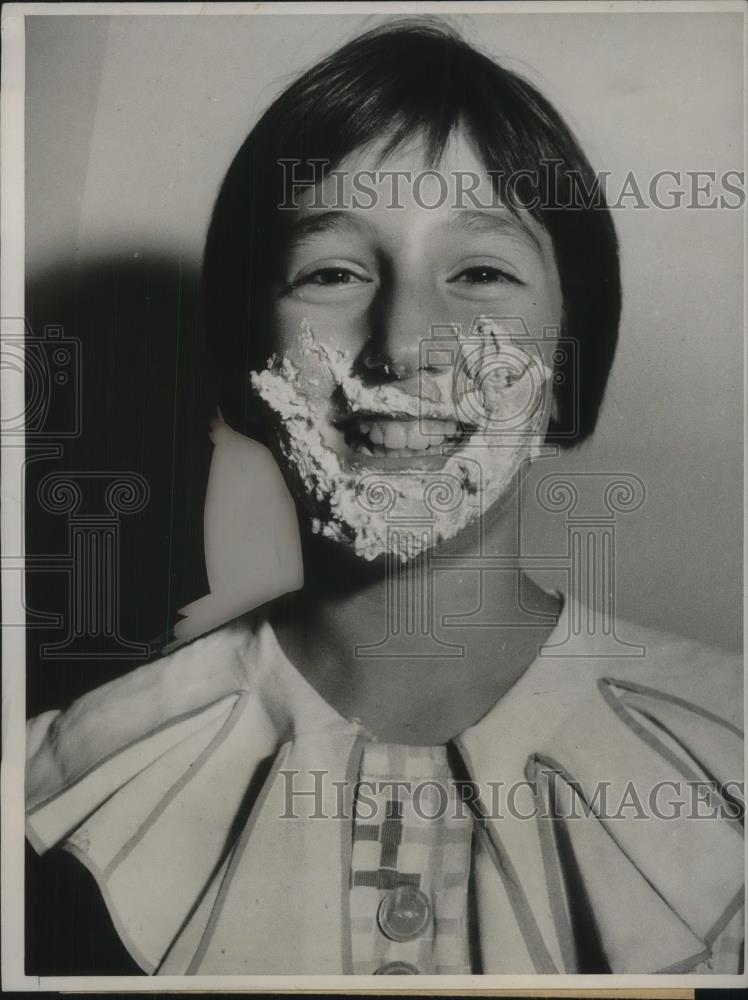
374,641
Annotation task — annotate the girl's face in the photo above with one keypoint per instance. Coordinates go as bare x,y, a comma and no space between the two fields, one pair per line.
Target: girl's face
381,378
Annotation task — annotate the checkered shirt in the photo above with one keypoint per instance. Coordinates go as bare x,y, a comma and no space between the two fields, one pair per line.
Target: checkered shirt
417,834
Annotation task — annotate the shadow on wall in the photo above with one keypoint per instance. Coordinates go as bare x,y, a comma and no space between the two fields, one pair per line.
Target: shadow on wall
116,467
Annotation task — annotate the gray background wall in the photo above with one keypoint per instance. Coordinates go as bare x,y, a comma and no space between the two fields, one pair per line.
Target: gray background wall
131,122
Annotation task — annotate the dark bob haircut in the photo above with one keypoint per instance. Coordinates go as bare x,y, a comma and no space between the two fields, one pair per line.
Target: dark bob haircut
406,79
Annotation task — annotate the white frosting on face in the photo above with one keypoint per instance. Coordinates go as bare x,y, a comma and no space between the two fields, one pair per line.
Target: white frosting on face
495,385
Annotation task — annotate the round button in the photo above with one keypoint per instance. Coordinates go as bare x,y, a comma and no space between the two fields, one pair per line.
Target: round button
404,913
398,969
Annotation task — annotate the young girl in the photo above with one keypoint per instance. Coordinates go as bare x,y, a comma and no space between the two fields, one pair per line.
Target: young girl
355,778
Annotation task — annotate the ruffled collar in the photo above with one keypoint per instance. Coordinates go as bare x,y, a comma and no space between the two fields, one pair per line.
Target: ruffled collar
171,785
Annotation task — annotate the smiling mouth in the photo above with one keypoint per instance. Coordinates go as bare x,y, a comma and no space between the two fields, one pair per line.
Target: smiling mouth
380,436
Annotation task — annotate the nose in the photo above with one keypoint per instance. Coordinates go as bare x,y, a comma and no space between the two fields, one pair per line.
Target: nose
398,325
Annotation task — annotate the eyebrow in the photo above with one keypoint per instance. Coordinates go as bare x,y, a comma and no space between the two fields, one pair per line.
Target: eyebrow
305,226
490,222
482,221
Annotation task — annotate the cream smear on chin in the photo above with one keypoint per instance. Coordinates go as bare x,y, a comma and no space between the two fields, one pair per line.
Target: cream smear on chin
493,391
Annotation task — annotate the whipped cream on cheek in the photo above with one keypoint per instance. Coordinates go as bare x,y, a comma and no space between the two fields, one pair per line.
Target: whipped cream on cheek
457,419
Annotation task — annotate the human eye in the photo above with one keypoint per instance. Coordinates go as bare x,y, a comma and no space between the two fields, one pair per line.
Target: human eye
484,275
483,279
327,279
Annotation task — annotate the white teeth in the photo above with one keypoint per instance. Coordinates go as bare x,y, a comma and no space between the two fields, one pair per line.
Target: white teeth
433,431
437,430
365,450
417,440
395,436
402,437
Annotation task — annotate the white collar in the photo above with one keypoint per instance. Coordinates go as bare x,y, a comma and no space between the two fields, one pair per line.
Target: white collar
174,769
